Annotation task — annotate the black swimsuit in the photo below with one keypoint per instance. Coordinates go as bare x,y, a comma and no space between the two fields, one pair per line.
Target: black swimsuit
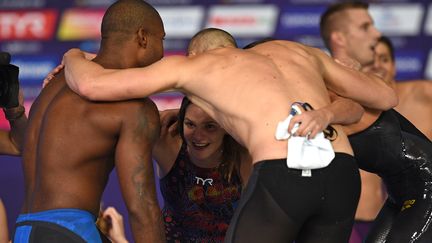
399,153
281,205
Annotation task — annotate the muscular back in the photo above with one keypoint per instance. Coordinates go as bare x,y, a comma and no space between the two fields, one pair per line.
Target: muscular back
71,146
268,79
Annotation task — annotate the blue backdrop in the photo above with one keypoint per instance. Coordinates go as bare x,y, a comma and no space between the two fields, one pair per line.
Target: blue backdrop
38,32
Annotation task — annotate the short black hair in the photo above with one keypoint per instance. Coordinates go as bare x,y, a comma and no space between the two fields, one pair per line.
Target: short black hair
127,16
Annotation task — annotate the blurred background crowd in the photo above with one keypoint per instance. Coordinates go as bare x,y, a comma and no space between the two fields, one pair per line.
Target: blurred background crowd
37,33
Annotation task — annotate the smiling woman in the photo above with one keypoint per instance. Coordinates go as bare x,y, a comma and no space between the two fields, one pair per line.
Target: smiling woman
202,170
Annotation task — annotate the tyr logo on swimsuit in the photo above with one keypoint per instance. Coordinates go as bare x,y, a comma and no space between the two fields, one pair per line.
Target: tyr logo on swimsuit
203,180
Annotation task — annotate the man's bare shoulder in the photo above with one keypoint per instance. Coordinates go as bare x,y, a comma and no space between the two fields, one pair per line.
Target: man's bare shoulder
421,88
291,45
140,116
172,60
124,111
142,105
295,48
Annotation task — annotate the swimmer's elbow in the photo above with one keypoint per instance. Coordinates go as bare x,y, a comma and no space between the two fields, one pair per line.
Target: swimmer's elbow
358,112
393,100
382,101
387,101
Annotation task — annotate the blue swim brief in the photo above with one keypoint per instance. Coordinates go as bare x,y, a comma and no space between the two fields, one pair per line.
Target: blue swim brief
59,225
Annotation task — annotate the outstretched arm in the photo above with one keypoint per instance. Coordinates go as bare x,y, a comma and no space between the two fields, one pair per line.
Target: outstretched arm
367,89
139,132
168,145
92,81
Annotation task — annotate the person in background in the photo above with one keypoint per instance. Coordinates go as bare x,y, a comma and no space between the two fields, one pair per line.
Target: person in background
349,34
11,100
415,96
202,170
384,142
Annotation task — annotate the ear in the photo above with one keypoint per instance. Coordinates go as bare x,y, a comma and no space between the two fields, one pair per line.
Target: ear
338,38
142,37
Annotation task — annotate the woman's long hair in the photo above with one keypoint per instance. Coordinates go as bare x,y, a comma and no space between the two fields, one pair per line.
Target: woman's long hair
231,150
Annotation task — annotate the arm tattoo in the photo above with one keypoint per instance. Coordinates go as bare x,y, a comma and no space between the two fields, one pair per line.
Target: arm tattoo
139,178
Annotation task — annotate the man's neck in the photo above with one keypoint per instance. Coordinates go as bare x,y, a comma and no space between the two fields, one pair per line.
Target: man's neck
340,54
114,59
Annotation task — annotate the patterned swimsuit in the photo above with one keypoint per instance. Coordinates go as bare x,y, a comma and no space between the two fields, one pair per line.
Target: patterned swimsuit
198,202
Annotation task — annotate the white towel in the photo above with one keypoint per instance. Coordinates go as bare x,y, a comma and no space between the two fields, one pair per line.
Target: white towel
304,153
